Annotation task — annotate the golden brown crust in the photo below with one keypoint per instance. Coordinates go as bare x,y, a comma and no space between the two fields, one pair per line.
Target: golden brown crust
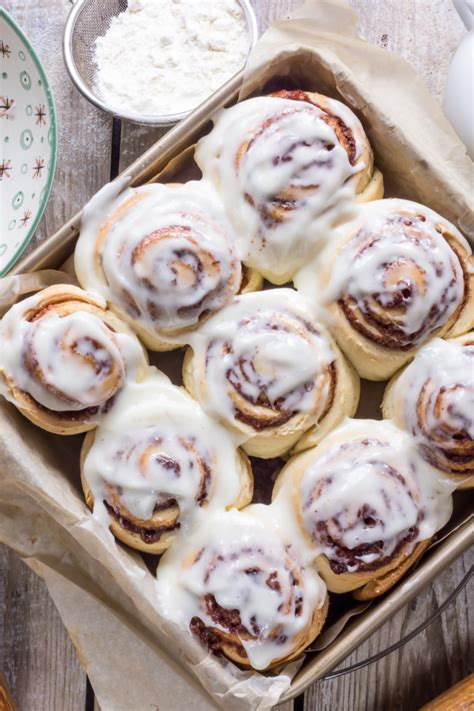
450,451
373,343
344,404
273,432
370,180
231,647
155,535
62,300
227,638
385,581
278,209
130,538
378,575
250,280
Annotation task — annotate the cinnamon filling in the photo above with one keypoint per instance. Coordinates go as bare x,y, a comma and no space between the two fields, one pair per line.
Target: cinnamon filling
275,211
345,558
372,317
212,639
228,619
245,278
73,415
41,311
202,496
451,462
194,260
280,415
150,534
344,134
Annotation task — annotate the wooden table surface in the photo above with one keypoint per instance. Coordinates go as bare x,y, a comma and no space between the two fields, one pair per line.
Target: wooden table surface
36,655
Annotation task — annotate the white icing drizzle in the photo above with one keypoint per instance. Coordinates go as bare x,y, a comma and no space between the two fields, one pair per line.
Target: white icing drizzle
262,356
168,254
370,488
398,263
239,559
283,176
157,444
66,363
434,398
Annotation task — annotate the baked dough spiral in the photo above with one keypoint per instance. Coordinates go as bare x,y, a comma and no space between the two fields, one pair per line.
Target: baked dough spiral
265,368
64,358
157,462
241,591
399,275
433,400
367,503
288,167
163,257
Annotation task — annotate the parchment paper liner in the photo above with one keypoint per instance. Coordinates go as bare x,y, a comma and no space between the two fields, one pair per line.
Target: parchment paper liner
105,593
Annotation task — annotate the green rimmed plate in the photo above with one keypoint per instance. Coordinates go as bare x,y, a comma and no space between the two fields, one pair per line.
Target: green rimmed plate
28,141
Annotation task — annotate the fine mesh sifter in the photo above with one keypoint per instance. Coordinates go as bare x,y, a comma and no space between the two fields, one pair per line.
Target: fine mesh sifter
90,19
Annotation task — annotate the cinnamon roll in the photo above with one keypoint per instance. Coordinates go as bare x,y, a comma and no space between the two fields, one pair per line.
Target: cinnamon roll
288,167
157,462
265,368
433,400
399,275
64,358
366,502
163,256
242,592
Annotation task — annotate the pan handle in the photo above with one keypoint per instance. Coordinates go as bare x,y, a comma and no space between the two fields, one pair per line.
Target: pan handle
401,642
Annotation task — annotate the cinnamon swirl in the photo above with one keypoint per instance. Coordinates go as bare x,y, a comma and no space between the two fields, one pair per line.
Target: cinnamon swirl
288,167
157,462
163,256
241,592
64,358
399,275
366,502
265,368
433,400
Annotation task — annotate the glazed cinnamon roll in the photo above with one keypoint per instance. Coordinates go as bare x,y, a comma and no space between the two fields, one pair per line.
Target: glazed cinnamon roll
265,368
242,592
399,275
163,256
64,358
433,399
157,462
288,167
366,502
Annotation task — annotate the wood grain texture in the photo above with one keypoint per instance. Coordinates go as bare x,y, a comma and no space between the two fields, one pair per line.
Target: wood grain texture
36,656
432,662
425,32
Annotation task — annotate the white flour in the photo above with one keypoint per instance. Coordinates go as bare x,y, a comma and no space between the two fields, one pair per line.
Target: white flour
166,56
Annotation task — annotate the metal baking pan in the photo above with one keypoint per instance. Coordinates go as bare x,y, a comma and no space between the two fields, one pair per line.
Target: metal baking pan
457,535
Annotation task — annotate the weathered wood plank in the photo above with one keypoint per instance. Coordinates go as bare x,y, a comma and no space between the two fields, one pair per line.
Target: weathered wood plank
424,32
421,670
36,654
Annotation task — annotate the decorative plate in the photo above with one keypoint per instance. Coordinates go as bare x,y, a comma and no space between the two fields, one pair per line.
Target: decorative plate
28,141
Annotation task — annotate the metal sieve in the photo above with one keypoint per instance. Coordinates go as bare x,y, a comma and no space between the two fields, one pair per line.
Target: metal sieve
90,19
